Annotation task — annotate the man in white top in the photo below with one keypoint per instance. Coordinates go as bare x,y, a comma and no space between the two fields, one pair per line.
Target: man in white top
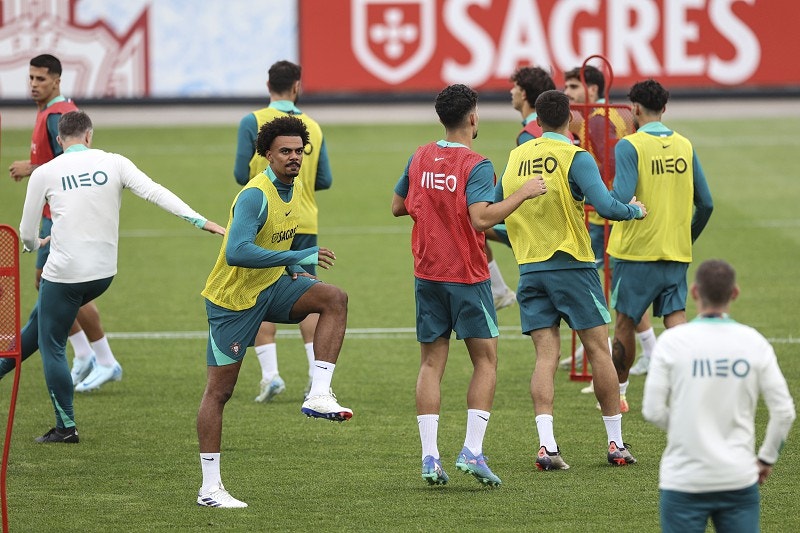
84,190
702,387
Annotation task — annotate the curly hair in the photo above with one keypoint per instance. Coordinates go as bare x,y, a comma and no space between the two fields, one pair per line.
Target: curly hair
454,103
649,94
552,108
288,126
534,81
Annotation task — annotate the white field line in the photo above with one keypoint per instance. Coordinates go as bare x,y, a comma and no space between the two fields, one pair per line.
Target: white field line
396,229
511,333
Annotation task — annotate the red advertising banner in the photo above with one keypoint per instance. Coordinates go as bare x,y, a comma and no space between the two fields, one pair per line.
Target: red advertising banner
422,45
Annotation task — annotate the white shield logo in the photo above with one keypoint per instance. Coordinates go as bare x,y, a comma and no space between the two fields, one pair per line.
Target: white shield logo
393,39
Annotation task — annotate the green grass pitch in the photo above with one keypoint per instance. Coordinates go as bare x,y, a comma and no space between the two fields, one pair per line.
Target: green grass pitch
136,468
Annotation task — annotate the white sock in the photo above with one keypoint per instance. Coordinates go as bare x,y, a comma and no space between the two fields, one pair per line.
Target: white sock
103,352
321,380
428,433
623,388
310,356
544,425
499,287
477,421
80,345
647,339
209,463
268,357
614,429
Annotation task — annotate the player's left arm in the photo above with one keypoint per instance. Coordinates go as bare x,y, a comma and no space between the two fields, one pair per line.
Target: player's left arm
775,392
585,175
324,178
52,134
144,187
703,204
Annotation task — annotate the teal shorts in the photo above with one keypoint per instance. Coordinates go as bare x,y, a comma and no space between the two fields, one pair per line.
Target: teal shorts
734,511
44,251
636,285
231,332
574,294
467,309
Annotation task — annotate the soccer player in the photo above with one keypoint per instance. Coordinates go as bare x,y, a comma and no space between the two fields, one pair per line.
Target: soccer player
703,387
660,167
315,174
94,363
529,83
558,276
84,190
448,190
599,126
258,277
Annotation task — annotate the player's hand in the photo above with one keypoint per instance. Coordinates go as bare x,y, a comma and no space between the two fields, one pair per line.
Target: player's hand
296,275
640,205
534,187
213,227
44,242
325,258
764,470
20,169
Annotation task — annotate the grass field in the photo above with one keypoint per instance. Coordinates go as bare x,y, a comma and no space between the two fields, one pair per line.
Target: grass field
136,468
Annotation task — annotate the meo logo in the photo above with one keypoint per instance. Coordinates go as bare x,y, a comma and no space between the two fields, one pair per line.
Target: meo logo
439,181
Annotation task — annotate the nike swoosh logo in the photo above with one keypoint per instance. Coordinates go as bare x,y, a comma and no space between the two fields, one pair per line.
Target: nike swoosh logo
207,458
287,212
438,158
665,145
482,418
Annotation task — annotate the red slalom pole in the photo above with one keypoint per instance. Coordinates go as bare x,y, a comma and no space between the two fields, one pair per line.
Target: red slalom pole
10,339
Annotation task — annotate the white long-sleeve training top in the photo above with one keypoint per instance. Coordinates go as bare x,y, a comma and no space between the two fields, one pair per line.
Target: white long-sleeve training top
84,189
702,387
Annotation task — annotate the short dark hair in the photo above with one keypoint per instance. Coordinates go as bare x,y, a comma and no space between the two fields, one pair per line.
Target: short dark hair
73,124
282,75
591,74
288,126
650,94
552,108
715,280
51,63
454,104
534,81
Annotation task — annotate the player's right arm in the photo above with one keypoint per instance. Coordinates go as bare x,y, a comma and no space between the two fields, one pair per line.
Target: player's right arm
655,402
245,148
32,215
400,193
484,213
249,215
